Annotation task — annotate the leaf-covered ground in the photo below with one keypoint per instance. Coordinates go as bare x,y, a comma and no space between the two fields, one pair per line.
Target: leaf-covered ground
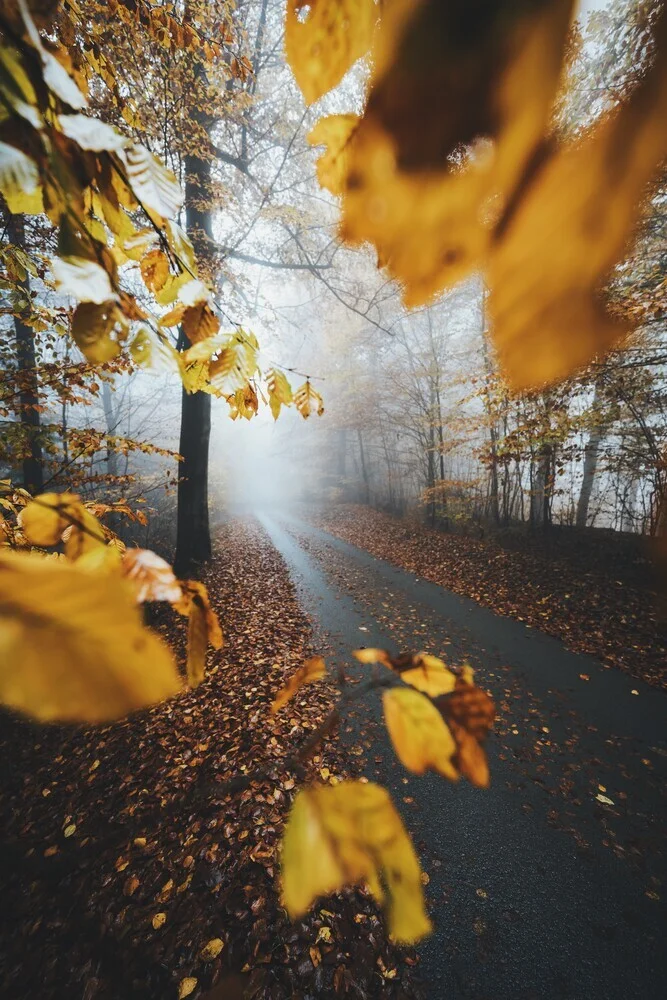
597,600
128,875
551,882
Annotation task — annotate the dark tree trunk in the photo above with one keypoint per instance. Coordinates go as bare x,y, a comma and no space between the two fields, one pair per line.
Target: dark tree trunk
26,360
193,535
591,453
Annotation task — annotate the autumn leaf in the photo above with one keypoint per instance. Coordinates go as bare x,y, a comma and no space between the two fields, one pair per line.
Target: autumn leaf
154,269
347,834
154,186
470,707
573,225
186,987
197,643
45,518
92,325
72,645
370,655
90,133
19,177
452,167
151,576
308,401
420,737
83,279
313,669
280,391
334,132
421,670
235,363
243,403
212,949
203,627
324,39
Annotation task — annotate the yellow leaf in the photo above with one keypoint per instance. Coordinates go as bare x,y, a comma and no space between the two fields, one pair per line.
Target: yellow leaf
212,949
152,577
421,670
346,834
84,536
154,269
418,732
186,987
72,644
46,517
429,214
83,279
308,401
19,175
323,39
197,644
193,591
334,132
370,655
280,391
158,921
429,675
154,186
235,363
569,230
313,669
92,324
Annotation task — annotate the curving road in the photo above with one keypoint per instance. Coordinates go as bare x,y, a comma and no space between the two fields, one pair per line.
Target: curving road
537,887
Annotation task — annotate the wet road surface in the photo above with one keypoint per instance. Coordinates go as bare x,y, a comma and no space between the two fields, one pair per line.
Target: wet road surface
537,887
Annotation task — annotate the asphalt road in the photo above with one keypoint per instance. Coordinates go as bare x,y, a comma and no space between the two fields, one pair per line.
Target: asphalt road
537,888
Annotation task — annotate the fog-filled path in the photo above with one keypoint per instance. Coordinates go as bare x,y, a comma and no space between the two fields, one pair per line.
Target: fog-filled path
538,887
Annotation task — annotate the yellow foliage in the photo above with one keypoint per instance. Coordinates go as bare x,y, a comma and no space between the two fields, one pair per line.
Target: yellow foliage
46,517
421,670
212,949
203,627
323,38
418,732
567,234
235,363
92,325
72,644
312,669
197,643
280,391
452,167
347,834
154,269
83,536
308,401
429,675
334,132
152,577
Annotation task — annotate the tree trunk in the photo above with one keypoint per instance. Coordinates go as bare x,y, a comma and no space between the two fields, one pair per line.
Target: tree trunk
112,422
591,454
493,429
364,470
193,535
26,360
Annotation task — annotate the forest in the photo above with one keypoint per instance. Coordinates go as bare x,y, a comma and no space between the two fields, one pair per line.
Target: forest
333,464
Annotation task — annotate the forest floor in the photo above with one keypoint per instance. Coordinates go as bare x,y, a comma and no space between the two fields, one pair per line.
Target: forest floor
597,598
121,862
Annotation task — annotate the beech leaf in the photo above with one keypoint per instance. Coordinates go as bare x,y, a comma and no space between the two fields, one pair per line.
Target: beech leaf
348,834
72,644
